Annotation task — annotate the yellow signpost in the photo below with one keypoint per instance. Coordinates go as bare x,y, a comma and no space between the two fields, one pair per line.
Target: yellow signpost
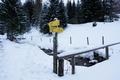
53,26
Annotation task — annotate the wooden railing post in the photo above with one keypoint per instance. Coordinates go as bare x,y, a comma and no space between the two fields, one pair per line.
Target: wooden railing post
73,64
87,41
107,52
103,40
70,40
61,67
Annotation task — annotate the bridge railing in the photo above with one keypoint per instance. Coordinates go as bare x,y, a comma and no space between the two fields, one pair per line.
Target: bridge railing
72,54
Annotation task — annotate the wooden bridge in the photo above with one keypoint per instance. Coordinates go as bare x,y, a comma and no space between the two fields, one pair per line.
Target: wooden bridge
62,56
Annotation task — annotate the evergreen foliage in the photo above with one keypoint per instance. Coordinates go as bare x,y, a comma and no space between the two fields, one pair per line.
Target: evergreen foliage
78,12
13,16
92,10
71,12
62,16
2,26
44,20
108,10
16,19
56,9
29,10
37,11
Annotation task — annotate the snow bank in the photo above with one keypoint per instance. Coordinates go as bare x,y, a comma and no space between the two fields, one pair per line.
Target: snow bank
23,62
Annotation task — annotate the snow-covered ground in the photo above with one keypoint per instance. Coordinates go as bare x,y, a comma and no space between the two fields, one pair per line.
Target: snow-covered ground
25,61
78,34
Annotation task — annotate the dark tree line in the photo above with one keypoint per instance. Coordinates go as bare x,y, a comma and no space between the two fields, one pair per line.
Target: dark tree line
90,11
17,18
12,15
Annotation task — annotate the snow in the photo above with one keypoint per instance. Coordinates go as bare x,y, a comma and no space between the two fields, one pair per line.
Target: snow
87,49
23,1
25,60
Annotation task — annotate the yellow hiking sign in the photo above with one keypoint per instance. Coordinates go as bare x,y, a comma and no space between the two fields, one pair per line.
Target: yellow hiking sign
53,26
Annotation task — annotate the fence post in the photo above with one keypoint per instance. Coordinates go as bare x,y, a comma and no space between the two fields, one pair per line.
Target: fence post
107,52
31,38
103,40
73,64
61,67
87,41
41,39
50,40
70,40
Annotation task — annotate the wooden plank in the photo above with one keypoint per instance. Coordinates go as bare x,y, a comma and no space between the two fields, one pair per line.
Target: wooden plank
82,52
73,64
61,67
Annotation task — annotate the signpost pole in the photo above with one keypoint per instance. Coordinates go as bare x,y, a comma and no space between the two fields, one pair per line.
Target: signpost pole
53,27
55,46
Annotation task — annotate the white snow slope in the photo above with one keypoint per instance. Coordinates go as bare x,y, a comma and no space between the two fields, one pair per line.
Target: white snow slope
26,61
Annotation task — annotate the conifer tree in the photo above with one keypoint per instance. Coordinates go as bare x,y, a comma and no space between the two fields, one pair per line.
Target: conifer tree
44,19
29,10
78,11
62,16
108,9
69,12
2,26
56,9
37,11
92,10
13,16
